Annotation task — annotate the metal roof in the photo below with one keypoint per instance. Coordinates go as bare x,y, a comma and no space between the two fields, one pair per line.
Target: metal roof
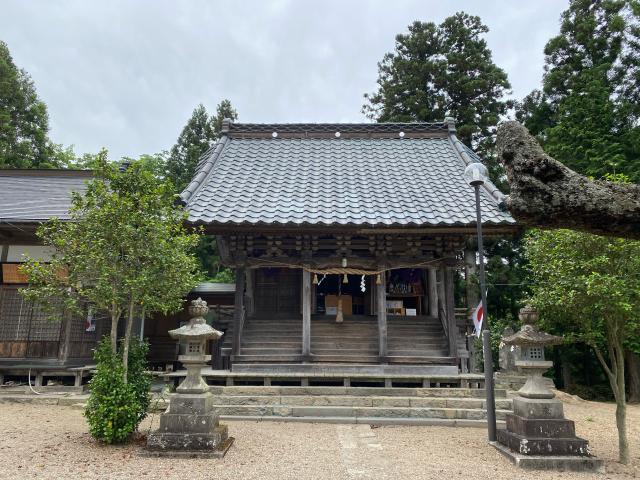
28,196
394,174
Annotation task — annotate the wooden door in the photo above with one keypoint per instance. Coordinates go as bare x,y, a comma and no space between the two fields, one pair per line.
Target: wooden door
277,291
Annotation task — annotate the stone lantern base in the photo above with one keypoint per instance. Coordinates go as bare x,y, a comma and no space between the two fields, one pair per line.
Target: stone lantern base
537,436
189,428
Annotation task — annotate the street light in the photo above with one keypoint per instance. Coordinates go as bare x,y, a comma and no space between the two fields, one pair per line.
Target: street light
476,175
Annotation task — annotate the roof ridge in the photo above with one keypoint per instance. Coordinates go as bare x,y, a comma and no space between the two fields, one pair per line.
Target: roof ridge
469,156
232,128
204,169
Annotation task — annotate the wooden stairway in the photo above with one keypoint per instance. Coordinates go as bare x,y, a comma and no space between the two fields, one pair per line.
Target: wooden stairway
411,340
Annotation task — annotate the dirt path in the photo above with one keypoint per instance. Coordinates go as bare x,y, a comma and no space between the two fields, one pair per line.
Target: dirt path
52,442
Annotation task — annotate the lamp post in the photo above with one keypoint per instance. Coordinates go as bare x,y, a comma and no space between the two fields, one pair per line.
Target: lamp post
476,174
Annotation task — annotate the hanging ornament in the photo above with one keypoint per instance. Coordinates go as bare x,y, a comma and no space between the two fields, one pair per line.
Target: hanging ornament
378,280
315,279
345,279
363,286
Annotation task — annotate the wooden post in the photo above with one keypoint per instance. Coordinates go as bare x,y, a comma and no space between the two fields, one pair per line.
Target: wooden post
441,304
433,291
238,310
381,294
451,314
249,297
65,342
306,313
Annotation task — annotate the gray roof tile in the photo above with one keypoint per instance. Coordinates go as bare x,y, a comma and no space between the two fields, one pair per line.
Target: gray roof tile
38,195
368,176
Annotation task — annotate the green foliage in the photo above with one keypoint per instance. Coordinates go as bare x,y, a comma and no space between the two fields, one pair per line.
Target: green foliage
443,70
210,262
115,408
587,114
110,410
24,122
198,135
139,378
126,247
587,286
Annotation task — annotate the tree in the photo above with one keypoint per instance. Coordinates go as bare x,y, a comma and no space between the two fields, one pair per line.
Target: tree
443,70
545,193
125,250
587,113
24,122
197,136
587,287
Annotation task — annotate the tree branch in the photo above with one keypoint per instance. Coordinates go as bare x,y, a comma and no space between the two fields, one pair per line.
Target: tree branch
546,194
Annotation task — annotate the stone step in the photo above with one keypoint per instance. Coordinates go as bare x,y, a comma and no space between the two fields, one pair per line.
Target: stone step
360,401
342,411
405,392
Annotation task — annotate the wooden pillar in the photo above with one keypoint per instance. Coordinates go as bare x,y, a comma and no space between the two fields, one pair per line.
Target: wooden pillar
472,292
432,290
306,313
238,310
381,295
441,304
65,338
249,295
451,314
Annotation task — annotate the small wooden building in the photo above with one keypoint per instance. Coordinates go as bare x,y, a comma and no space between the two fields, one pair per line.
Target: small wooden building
345,239
28,337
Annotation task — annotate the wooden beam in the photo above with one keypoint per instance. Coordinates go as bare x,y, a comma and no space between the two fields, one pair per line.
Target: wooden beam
381,294
238,312
451,316
306,313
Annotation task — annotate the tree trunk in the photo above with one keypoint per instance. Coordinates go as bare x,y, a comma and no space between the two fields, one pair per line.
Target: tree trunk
127,339
615,375
546,194
633,373
115,317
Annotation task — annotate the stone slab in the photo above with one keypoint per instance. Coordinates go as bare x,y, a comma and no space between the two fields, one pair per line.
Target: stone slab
573,446
538,408
190,403
184,423
344,369
533,427
219,452
186,441
558,463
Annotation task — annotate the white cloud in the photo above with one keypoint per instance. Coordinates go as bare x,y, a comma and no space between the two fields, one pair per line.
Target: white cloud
126,75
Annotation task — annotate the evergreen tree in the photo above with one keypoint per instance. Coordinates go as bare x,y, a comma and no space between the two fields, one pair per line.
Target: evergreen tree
588,111
198,135
24,122
442,70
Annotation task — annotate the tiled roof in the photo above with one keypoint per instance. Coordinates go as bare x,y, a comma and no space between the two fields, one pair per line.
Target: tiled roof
338,174
38,195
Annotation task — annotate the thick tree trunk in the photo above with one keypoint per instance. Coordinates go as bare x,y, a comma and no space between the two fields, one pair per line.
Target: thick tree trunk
633,375
127,339
546,194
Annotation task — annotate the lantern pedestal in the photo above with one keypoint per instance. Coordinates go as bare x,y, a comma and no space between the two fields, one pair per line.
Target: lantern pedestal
537,436
190,426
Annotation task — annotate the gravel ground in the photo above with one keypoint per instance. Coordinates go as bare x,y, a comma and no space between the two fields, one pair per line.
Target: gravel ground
52,442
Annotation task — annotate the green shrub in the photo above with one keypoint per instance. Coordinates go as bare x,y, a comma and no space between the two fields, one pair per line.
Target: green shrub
139,378
115,409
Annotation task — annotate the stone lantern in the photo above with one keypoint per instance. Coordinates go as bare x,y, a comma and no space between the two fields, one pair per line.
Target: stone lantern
190,426
537,436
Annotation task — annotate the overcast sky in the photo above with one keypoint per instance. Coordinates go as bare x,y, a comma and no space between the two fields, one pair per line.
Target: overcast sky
126,74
